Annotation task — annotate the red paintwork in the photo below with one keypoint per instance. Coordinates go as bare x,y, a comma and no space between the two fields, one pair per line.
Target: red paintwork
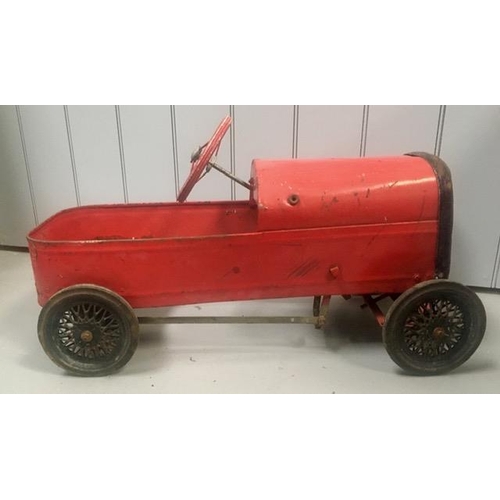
381,233
343,192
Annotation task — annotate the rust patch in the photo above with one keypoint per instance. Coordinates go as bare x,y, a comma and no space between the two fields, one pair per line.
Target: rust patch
304,269
327,204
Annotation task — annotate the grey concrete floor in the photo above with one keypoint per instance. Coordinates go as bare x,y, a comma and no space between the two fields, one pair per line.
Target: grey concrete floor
348,357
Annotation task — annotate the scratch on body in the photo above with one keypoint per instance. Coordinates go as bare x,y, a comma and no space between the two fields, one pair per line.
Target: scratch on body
304,269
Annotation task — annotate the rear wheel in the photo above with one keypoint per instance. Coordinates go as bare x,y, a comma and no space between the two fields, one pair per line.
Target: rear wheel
88,330
434,327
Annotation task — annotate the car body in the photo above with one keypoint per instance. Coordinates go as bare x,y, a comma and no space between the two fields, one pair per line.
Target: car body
375,227
359,226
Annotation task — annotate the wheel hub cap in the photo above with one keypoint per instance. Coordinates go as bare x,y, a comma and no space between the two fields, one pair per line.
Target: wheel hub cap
87,336
439,332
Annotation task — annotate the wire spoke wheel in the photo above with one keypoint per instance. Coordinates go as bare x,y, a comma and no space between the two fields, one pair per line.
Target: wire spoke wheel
88,330
434,327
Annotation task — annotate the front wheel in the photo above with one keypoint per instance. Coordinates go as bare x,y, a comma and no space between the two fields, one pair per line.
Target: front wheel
434,327
88,330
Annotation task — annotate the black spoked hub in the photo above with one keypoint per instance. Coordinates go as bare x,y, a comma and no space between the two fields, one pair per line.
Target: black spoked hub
434,327
88,330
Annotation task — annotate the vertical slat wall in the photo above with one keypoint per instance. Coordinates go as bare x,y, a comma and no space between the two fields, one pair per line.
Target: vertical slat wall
97,159
496,282
16,204
395,130
329,131
260,132
471,147
53,157
148,152
45,137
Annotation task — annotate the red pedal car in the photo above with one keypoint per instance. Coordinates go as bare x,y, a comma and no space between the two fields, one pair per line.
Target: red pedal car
375,227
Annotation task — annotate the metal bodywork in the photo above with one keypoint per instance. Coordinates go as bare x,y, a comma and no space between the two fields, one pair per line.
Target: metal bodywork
310,228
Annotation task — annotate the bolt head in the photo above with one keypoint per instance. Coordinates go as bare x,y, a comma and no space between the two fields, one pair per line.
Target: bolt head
438,332
334,271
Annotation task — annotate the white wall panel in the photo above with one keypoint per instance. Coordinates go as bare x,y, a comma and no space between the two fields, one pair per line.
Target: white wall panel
329,131
16,209
395,130
260,132
471,148
496,282
149,161
96,149
48,154
195,125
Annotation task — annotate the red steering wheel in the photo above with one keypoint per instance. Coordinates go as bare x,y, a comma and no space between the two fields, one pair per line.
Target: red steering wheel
200,160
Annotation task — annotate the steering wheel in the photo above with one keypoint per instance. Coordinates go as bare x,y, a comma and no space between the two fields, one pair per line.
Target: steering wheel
201,158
